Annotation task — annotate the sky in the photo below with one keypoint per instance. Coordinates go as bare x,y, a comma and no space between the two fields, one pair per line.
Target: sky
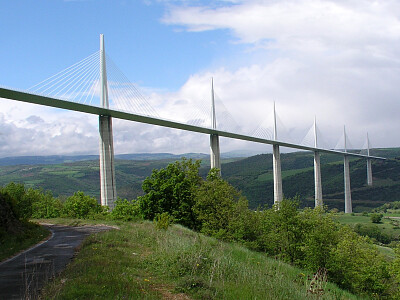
337,61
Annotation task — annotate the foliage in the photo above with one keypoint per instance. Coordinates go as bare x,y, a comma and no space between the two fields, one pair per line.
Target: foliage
373,232
376,218
356,264
22,205
45,206
126,210
395,271
215,206
81,206
163,221
172,190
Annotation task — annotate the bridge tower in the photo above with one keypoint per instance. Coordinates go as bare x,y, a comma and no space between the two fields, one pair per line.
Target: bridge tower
369,165
107,171
214,138
317,169
346,168
276,164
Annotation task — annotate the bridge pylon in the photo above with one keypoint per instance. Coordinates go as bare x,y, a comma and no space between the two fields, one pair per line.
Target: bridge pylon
369,165
317,170
215,156
276,165
348,208
108,189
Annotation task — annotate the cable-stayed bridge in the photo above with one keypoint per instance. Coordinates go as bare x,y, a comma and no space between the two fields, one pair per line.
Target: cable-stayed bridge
96,86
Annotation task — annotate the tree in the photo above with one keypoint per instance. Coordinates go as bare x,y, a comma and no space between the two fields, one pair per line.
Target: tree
219,206
81,206
172,190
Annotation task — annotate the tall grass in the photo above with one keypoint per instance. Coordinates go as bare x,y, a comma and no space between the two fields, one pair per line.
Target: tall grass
140,262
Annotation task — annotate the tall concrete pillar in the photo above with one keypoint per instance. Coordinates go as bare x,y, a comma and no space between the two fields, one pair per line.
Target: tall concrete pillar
215,157
348,208
278,195
108,192
317,179
107,171
347,190
317,170
276,165
369,172
369,165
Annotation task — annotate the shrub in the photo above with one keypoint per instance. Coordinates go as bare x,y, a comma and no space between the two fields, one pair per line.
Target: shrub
356,264
81,206
172,190
126,210
22,205
376,218
163,221
45,205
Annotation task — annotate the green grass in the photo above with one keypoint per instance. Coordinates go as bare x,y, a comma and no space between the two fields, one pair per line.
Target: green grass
386,224
140,262
11,244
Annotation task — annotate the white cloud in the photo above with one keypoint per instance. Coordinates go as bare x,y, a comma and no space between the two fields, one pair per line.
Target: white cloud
337,60
334,59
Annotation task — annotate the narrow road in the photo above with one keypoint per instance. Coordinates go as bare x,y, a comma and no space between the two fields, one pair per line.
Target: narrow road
25,274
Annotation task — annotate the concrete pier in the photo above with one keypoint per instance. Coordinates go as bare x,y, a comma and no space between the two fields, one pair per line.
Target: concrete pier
108,190
107,170
317,169
317,179
347,190
276,166
369,165
276,157
369,172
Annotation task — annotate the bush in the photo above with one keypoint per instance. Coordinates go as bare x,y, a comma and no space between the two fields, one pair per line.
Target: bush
356,264
82,206
22,204
172,190
163,221
45,205
126,210
376,218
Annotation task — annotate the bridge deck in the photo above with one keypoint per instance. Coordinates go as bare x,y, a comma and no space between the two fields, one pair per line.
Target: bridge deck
57,103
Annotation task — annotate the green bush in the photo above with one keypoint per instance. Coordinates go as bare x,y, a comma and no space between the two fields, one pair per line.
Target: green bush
356,265
82,206
374,232
376,218
22,204
126,210
172,190
163,221
45,205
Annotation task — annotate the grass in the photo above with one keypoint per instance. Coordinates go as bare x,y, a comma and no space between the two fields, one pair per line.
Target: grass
140,262
11,244
386,225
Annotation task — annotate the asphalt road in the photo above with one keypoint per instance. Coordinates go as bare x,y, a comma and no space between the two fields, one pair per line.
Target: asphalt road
22,276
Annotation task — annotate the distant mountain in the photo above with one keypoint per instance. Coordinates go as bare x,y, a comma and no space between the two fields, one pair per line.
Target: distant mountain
60,159
252,175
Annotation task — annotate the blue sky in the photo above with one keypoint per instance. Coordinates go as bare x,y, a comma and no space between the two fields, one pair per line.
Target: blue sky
336,60
41,38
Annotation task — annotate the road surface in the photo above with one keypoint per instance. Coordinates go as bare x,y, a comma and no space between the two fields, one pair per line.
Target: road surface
22,276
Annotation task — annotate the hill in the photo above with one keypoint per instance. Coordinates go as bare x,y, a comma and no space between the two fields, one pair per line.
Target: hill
252,175
140,262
